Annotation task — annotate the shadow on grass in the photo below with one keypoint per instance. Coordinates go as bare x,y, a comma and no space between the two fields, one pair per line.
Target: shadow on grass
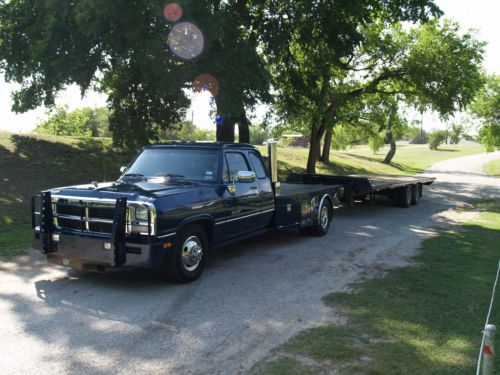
398,166
36,165
418,320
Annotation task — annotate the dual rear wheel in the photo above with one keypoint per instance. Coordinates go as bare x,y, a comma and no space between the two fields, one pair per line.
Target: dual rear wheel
407,196
324,221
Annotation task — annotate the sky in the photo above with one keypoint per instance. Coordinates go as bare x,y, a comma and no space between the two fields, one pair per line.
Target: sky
479,14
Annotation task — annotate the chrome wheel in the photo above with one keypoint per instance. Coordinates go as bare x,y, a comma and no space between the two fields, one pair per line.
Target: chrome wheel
192,253
324,217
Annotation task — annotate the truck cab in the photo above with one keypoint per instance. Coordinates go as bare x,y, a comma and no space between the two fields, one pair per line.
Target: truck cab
172,204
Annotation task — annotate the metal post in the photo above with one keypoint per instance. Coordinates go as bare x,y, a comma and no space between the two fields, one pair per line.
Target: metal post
489,349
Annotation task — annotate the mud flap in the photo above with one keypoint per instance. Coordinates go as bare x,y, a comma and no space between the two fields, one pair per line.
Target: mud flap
118,235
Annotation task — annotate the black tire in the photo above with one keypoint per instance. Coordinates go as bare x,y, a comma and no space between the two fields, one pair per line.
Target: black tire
185,263
415,194
405,196
323,225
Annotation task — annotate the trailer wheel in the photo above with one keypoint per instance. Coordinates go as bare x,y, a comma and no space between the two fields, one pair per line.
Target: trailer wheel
405,195
187,261
415,194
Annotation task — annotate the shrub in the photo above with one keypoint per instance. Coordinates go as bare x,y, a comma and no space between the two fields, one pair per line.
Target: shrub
436,138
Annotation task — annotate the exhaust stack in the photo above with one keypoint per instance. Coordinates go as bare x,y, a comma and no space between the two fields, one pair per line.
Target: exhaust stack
273,165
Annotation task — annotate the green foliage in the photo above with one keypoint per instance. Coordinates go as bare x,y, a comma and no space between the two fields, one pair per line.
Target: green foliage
487,109
121,50
323,61
415,134
343,137
376,142
259,134
186,131
83,122
204,135
436,138
456,132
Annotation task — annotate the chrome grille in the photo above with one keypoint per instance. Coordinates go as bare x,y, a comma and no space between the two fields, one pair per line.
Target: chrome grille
84,216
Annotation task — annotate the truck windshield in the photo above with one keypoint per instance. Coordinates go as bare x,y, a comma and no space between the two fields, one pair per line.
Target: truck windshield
196,165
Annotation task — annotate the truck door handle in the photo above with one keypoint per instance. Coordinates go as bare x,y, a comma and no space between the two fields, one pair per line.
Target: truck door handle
253,187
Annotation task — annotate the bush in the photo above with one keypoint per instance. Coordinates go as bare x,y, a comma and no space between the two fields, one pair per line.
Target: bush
259,134
436,138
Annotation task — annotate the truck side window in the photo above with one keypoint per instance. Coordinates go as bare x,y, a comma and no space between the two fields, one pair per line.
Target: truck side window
235,162
257,165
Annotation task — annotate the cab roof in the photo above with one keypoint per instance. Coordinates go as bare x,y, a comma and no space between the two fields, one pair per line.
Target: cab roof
223,145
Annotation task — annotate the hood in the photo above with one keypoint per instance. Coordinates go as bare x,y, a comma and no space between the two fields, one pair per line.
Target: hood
131,189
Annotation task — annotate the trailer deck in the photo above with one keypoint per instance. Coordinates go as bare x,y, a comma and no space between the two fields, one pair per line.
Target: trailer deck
361,186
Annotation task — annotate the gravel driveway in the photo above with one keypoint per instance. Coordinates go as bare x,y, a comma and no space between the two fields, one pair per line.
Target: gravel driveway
252,297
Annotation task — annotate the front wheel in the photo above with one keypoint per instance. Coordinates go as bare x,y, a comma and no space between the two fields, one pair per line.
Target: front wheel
187,261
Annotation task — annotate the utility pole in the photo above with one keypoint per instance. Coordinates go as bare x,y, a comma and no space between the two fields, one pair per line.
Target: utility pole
422,127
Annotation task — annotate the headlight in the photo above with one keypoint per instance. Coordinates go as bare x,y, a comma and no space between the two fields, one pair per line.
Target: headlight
142,220
140,213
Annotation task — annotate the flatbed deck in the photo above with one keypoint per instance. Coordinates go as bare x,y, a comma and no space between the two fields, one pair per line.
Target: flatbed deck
292,189
361,185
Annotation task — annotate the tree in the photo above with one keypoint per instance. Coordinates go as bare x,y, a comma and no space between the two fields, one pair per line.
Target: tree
455,132
82,122
436,138
321,63
62,122
121,50
487,108
231,60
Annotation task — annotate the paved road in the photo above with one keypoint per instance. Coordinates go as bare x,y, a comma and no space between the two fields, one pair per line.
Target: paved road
252,297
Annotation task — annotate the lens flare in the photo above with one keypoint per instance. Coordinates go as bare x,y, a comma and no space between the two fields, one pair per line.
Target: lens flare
172,12
186,40
206,82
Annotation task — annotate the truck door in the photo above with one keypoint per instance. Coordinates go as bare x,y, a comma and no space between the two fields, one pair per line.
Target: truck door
245,202
266,193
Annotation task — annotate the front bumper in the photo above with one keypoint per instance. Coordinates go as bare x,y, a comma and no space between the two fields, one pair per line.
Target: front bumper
95,253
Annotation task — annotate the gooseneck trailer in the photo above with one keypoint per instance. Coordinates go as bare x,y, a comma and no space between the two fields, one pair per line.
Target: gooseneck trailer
177,201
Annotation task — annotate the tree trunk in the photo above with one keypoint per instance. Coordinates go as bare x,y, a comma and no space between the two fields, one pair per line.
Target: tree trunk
317,133
392,151
327,144
244,129
225,130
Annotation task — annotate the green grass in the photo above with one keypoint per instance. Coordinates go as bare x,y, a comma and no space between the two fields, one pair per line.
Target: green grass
425,319
493,168
409,159
31,163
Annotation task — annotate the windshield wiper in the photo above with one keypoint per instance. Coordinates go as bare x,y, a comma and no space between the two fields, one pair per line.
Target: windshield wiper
134,175
169,175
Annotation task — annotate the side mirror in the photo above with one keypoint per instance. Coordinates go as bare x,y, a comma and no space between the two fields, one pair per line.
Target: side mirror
123,169
246,176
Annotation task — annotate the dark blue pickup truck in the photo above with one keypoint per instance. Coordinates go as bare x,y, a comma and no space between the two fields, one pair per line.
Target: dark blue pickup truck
177,201
172,205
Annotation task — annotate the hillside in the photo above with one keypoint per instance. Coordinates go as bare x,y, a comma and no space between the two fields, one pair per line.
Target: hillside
31,163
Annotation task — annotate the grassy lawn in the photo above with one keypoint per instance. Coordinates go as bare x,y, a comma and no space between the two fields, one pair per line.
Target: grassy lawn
425,319
409,159
29,164
493,168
